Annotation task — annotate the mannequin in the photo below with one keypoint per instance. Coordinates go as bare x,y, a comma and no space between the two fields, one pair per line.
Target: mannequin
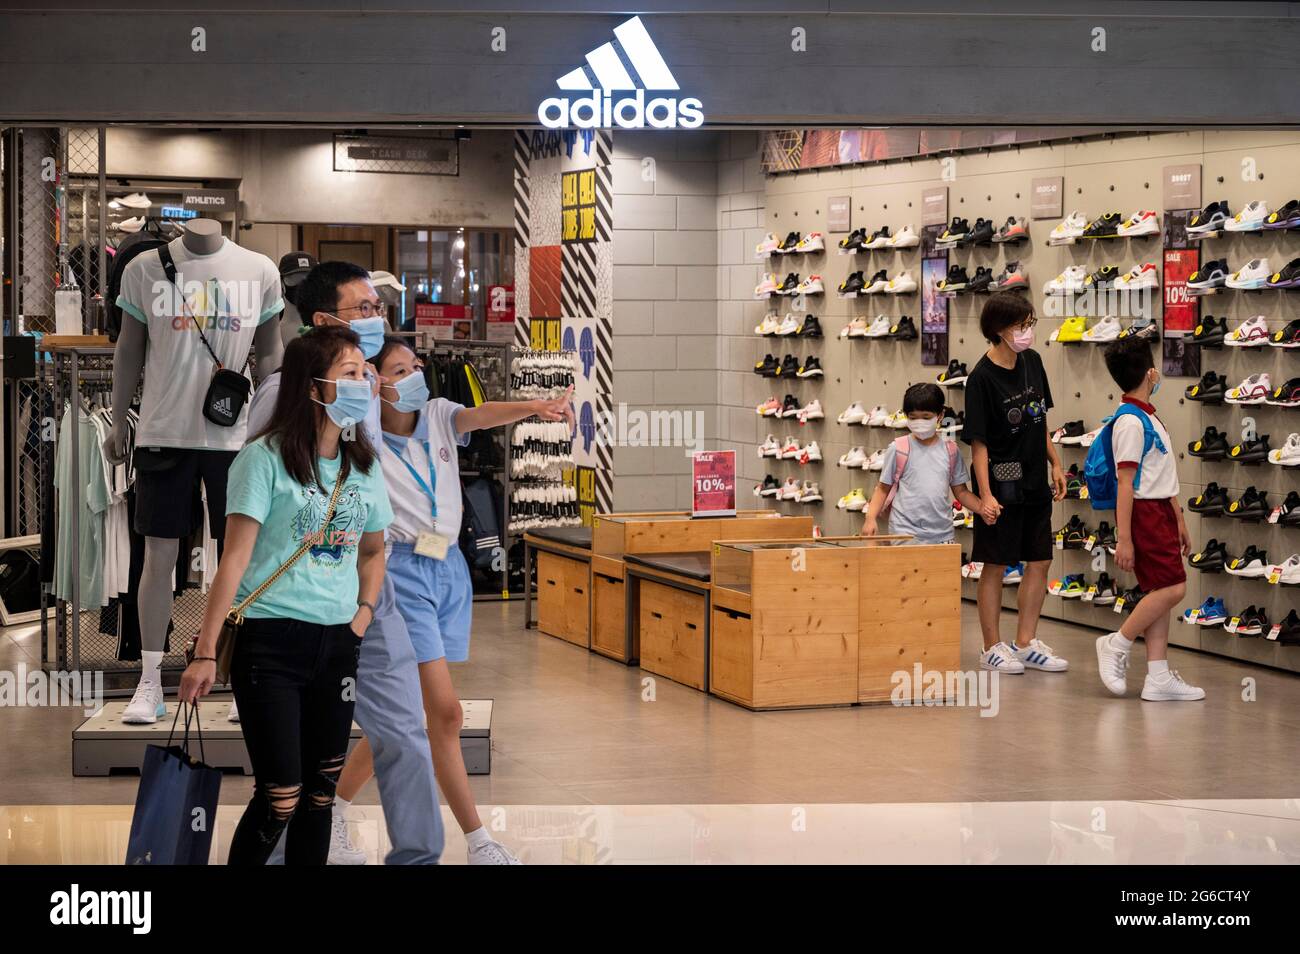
179,444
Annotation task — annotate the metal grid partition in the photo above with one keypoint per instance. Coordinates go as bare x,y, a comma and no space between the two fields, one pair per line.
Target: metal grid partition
92,638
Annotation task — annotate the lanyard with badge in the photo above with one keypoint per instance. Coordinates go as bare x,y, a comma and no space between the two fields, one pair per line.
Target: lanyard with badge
429,543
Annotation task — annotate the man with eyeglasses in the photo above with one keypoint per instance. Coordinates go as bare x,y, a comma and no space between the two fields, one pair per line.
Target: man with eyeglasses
389,705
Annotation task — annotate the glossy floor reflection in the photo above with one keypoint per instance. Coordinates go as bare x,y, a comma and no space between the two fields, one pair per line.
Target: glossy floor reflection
1254,832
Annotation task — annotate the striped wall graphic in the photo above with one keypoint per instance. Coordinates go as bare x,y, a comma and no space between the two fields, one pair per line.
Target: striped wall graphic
604,186
522,213
578,280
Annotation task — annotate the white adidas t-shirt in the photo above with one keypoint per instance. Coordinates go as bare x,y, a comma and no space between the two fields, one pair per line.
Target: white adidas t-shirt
230,292
1159,480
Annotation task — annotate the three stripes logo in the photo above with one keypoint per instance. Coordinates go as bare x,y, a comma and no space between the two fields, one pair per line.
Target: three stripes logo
609,71
222,407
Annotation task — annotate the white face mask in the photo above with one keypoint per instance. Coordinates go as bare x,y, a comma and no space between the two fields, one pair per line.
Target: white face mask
924,428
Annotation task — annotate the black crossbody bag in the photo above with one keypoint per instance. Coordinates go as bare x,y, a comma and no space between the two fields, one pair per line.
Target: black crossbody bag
228,390
1007,477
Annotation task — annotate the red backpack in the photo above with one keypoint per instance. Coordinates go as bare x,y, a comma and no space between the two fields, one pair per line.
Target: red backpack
902,448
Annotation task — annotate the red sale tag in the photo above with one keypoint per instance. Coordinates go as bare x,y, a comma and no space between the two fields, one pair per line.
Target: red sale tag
1181,311
713,484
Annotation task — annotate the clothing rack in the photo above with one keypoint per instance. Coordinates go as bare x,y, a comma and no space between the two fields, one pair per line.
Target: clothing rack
89,639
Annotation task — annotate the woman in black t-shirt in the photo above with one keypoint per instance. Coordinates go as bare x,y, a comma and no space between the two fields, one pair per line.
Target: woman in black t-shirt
1017,475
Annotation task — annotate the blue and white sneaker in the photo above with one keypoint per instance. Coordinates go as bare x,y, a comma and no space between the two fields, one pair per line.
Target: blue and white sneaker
1012,575
1193,616
146,706
1039,655
1001,658
1212,613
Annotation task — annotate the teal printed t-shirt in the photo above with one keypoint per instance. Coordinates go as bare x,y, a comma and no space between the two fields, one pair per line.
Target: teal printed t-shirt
322,586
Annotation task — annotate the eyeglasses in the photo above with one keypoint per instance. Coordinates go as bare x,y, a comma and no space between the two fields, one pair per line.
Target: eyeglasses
1028,323
369,309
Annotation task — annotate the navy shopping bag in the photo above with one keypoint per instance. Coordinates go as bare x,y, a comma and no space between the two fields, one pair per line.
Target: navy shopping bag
176,804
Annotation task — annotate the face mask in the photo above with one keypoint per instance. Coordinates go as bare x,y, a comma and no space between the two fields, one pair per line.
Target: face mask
924,428
1156,387
369,330
351,401
1022,339
412,392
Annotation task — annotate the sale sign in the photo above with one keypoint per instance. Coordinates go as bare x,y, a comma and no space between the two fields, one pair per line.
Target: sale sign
713,484
1182,311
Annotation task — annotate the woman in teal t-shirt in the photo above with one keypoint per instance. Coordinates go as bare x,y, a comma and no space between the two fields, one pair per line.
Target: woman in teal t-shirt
295,662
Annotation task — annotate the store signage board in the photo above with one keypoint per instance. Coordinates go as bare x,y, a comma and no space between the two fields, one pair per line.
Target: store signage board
1047,197
440,321
178,212
437,154
713,484
934,206
616,98
210,200
501,312
1182,186
839,213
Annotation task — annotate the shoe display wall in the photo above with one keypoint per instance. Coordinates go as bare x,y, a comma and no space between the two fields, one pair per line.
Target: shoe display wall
1082,270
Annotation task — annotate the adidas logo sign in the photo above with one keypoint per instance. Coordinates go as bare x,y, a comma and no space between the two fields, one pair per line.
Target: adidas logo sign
602,109
223,407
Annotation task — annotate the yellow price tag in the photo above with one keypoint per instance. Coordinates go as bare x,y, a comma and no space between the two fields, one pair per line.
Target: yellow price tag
1089,544
1083,492
1275,576
505,594
1233,624
1119,605
1196,388
717,549
1235,451
595,522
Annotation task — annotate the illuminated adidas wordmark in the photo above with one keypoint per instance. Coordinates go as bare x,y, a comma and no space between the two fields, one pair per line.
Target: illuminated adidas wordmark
602,108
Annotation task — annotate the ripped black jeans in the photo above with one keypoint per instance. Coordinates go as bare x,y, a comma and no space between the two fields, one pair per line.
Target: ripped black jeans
295,684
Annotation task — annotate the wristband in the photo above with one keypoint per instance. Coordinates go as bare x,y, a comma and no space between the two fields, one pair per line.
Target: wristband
211,659
368,605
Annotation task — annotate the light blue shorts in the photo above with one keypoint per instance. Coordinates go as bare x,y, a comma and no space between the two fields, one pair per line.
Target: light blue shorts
436,598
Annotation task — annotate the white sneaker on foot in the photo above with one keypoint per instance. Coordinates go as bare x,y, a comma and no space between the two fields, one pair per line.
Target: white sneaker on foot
1001,658
1039,655
146,706
492,853
1168,686
233,714
1112,663
342,851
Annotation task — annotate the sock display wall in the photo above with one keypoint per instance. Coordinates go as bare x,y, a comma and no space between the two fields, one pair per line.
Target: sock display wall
1122,175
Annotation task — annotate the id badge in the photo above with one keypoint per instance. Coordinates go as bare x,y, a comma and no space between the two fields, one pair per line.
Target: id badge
433,545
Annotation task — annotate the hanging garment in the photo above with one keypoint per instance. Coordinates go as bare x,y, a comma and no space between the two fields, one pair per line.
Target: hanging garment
90,491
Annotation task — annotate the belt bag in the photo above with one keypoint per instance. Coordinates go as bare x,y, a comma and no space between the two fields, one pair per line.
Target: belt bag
1007,480
228,390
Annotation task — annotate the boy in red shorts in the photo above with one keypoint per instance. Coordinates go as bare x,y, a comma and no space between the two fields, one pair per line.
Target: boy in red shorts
1152,537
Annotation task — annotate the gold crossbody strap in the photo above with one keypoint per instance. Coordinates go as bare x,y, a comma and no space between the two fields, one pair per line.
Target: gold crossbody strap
237,612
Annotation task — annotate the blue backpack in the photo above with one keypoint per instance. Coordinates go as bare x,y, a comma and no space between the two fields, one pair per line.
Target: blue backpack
1099,467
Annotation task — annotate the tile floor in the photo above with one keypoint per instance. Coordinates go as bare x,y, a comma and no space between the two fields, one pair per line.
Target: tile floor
573,729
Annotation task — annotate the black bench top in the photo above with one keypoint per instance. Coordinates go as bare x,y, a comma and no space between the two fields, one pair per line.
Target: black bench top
692,564
570,536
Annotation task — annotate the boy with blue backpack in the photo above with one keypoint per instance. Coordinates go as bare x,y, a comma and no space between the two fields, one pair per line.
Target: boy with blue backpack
1131,468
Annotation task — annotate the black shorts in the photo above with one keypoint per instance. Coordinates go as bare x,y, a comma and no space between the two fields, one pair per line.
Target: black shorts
167,499
1023,533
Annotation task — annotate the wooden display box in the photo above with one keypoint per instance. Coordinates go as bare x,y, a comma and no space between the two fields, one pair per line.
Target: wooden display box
829,622
563,597
614,535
